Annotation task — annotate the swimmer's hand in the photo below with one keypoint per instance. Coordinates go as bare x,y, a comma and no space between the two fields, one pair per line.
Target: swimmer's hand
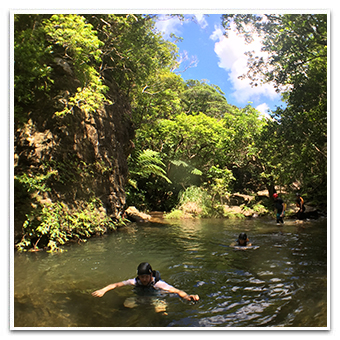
99,293
194,297
184,295
190,299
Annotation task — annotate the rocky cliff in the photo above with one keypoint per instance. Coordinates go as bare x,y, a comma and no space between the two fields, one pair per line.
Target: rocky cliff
72,159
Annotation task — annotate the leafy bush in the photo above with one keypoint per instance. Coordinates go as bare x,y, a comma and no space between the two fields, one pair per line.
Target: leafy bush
259,208
55,224
193,201
175,214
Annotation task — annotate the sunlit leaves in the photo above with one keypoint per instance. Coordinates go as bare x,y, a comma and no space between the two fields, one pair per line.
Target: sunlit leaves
149,163
292,40
296,140
32,72
82,47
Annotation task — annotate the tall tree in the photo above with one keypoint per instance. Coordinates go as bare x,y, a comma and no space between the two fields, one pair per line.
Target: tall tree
297,66
199,96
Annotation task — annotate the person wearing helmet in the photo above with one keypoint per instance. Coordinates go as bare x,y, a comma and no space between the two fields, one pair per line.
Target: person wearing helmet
242,241
280,208
147,278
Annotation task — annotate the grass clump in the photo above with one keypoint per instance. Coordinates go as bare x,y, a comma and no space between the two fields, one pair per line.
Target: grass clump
194,202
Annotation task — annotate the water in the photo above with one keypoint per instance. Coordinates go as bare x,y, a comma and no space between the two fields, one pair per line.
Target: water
283,283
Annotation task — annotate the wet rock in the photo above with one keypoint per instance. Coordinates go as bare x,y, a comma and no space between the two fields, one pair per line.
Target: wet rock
134,215
86,152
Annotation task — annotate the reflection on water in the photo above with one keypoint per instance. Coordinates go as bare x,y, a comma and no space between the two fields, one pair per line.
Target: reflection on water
282,283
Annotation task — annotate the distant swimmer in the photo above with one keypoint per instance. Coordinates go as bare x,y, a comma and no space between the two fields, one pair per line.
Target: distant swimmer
242,242
147,278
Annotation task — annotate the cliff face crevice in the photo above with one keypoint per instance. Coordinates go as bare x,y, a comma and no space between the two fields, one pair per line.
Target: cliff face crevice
86,153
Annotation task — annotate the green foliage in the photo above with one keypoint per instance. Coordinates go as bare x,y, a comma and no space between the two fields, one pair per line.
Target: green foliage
293,41
137,59
293,146
192,148
175,214
35,183
260,208
204,132
158,99
51,226
192,170
82,48
220,181
32,72
195,201
149,163
195,145
202,97
147,174
77,38
233,215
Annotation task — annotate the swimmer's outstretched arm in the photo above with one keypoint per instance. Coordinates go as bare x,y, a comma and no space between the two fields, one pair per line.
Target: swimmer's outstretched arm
184,295
101,292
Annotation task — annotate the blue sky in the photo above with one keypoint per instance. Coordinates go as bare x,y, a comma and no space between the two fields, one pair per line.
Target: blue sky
219,60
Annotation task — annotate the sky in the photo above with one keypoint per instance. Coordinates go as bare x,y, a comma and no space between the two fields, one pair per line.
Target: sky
208,55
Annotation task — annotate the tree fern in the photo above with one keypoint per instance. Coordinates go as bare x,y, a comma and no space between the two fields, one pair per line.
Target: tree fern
149,163
191,169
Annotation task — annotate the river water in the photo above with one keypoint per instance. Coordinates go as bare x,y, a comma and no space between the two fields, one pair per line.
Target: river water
281,283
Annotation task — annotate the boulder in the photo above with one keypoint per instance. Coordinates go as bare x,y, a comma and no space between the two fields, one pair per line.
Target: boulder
134,215
239,199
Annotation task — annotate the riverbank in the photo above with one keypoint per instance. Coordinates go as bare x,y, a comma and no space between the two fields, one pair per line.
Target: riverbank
240,206
59,225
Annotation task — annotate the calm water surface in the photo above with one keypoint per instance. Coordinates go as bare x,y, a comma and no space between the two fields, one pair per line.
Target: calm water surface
282,283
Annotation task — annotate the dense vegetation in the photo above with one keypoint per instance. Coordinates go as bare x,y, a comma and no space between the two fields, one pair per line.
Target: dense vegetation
203,141
189,141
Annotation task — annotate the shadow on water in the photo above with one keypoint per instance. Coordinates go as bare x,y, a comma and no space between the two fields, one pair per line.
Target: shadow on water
282,283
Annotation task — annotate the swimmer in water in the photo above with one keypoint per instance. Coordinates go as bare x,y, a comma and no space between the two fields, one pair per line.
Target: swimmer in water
242,241
147,278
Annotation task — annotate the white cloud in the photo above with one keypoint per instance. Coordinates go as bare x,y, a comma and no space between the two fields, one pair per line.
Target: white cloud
263,109
201,20
232,59
168,25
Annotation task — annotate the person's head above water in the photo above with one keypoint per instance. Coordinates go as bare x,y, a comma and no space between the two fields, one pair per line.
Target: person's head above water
242,239
144,272
144,268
